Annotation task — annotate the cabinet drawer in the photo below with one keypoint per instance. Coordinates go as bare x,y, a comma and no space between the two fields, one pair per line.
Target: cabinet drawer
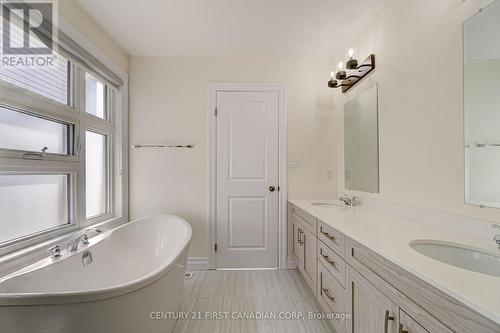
332,238
331,296
306,219
333,262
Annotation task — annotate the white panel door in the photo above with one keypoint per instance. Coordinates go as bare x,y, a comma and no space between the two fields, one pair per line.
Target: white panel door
247,179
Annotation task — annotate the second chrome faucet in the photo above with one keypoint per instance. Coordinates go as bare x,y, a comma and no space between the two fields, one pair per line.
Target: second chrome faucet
349,201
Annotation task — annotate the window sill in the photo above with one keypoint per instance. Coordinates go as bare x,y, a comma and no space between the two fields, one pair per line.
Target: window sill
19,255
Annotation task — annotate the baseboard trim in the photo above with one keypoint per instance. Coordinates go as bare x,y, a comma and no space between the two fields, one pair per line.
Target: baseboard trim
291,264
197,264
201,263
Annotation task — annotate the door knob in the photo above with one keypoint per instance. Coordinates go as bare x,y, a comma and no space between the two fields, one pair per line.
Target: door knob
272,188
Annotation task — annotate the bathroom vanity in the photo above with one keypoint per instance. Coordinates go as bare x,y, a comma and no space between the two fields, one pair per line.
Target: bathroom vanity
360,265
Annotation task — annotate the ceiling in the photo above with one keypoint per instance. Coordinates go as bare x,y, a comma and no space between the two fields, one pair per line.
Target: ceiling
232,28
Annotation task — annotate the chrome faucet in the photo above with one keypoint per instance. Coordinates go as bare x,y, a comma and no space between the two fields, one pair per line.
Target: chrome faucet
81,237
349,201
497,240
55,252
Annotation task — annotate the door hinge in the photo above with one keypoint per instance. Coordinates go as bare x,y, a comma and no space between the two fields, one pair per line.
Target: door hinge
279,188
215,247
216,112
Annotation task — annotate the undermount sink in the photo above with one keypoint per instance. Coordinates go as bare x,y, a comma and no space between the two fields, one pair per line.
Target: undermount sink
324,204
459,255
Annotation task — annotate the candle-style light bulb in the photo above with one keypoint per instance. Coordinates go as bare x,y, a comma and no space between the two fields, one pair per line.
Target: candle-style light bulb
332,75
351,53
340,66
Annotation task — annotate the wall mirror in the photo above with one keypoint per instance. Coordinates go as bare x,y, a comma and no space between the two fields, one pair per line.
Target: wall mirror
361,142
482,107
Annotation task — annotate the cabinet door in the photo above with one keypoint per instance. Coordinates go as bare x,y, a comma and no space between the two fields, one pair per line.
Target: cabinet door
408,325
309,243
298,249
371,311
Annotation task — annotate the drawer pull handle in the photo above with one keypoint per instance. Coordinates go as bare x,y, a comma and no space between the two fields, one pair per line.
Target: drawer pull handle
299,237
401,330
327,235
331,298
331,262
386,321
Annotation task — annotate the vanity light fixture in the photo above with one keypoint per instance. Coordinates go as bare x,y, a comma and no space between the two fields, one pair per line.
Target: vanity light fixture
350,74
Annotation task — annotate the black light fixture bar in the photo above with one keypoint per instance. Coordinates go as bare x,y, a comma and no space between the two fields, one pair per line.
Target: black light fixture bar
354,75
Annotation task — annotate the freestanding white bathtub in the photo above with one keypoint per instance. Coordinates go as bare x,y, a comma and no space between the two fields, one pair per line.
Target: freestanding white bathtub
135,278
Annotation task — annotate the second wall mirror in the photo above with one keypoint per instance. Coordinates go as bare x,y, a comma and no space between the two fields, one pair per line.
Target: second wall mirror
361,148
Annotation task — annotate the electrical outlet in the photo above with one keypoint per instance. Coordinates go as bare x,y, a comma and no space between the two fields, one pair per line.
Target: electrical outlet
329,174
294,163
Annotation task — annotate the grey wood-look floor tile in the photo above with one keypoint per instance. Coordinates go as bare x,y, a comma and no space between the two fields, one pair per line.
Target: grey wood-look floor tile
291,283
210,284
284,306
308,305
272,283
202,315
250,306
275,292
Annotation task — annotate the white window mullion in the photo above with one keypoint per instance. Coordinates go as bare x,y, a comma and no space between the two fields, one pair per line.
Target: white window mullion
80,109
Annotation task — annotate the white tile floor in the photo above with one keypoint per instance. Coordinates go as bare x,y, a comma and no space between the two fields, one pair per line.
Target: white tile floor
258,293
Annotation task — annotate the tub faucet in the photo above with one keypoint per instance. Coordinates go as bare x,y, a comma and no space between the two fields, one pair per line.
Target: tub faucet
81,237
497,240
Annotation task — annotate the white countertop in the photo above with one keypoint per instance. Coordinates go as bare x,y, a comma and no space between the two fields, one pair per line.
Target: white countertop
389,236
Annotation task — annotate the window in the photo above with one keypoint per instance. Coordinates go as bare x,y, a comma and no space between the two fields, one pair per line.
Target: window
56,158
22,131
95,174
48,82
33,203
95,97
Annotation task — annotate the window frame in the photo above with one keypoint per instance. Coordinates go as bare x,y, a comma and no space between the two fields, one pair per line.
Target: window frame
109,181
72,201
74,140
74,114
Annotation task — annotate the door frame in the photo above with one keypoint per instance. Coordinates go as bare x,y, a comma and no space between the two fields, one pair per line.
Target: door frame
213,89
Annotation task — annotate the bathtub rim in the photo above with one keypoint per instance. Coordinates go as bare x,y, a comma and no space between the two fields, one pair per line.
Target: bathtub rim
61,298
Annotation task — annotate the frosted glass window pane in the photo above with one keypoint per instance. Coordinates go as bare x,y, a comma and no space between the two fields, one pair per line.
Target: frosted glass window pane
50,82
32,203
95,174
95,96
26,132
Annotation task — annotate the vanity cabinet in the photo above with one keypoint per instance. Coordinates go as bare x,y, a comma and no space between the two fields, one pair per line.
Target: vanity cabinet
371,311
408,324
309,265
298,250
304,246
376,295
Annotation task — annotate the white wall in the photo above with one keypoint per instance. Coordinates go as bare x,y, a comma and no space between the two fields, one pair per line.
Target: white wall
71,11
168,103
418,45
